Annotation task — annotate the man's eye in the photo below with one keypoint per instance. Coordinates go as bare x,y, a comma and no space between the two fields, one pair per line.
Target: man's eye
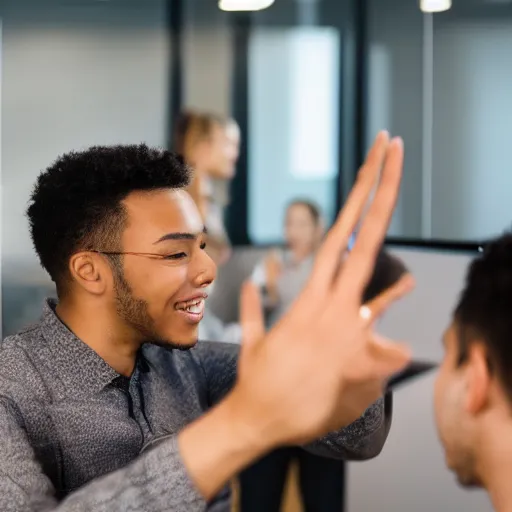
176,256
203,245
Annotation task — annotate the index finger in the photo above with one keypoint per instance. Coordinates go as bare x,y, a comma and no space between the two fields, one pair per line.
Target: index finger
359,266
330,252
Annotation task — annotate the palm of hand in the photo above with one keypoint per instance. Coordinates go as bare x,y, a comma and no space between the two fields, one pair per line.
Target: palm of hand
322,365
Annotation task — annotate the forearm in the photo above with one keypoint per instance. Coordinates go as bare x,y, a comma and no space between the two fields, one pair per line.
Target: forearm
157,481
219,445
362,439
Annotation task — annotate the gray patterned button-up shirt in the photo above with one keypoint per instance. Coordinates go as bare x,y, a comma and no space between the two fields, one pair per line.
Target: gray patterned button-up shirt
75,436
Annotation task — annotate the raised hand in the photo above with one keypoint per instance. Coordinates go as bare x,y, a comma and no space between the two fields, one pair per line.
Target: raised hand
273,269
322,365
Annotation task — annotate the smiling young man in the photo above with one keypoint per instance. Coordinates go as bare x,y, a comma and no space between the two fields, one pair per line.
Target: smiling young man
473,394
103,402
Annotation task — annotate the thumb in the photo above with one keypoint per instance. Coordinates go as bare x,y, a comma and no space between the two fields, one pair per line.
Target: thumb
251,315
388,357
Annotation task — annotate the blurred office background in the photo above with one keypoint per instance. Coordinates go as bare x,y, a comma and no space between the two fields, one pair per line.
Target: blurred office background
310,83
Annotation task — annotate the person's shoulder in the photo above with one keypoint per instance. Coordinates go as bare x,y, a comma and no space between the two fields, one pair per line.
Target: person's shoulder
20,343
17,366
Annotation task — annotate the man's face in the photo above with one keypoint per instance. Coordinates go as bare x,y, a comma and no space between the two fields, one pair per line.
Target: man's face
162,298
455,423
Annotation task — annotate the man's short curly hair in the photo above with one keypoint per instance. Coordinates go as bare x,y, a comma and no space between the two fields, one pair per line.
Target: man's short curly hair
76,203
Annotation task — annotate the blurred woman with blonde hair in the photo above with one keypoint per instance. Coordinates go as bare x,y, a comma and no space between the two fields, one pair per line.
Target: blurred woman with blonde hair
210,145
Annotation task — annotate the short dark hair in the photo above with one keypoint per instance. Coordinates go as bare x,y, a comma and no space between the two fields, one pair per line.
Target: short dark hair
76,203
313,209
388,271
484,310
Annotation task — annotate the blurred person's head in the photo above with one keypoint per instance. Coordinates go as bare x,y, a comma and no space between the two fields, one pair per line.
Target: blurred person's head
473,393
388,270
303,227
208,142
118,234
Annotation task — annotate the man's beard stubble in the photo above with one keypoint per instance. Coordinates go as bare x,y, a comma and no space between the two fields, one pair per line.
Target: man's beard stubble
135,313
465,471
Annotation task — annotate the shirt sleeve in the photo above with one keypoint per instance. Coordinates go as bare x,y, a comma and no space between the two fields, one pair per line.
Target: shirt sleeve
156,481
361,440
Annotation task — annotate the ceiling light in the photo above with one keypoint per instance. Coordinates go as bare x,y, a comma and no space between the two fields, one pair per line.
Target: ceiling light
244,5
435,5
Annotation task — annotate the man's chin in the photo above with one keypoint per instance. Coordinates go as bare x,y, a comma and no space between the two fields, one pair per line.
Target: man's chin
466,477
176,343
468,481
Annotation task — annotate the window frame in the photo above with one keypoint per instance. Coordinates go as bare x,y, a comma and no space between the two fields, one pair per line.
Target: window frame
352,125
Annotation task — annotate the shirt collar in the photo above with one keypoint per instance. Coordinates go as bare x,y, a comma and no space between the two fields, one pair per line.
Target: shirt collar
78,366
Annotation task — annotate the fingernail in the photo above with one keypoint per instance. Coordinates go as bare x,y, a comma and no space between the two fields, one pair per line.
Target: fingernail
398,140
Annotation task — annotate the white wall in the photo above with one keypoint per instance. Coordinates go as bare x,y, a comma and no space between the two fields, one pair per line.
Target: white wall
75,75
208,65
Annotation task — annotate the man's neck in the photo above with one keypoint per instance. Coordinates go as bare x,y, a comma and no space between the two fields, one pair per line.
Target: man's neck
495,466
93,325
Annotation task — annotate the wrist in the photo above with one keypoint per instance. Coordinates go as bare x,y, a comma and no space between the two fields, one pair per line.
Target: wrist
220,444
247,426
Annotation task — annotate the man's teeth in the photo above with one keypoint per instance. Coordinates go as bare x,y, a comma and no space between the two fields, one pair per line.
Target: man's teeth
196,307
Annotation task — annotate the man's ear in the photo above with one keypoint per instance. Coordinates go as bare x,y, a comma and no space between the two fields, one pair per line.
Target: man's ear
478,378
90,271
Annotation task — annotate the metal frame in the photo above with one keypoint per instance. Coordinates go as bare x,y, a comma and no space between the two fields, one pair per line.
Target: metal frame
175,22
237,217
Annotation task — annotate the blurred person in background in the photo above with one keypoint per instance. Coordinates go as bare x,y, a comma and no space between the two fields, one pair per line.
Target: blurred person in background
283,273
210,146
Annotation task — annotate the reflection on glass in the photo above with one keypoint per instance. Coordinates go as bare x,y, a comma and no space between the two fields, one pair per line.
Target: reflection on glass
294,112
443,82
